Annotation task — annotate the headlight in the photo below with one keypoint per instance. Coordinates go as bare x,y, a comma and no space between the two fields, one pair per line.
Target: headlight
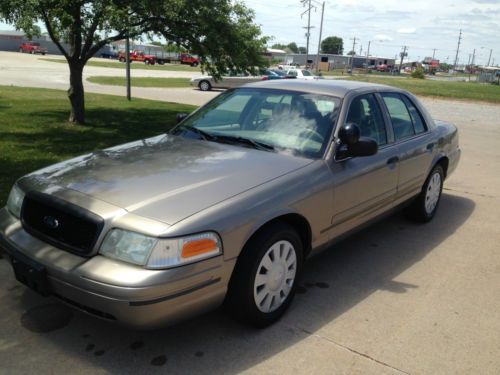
15,201
159,253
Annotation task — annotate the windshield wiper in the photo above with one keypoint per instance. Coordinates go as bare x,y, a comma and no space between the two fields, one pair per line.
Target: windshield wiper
246,141
204,135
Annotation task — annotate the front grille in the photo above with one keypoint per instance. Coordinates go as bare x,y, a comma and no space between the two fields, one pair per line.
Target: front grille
60,223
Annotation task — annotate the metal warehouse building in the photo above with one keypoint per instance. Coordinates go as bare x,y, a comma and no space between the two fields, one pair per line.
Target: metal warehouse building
11,40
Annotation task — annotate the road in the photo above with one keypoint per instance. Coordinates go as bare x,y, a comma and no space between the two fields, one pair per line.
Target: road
396,298
32,71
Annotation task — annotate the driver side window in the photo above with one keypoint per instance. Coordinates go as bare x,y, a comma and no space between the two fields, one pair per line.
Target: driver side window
365,112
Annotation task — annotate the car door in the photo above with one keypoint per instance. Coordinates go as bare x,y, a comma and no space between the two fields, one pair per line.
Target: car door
415,143
363,187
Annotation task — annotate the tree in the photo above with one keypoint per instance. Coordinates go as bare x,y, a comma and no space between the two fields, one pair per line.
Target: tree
351,53
221,32
333,45
302,50
293,47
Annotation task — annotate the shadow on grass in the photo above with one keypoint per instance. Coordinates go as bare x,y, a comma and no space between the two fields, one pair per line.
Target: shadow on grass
333,283
48,137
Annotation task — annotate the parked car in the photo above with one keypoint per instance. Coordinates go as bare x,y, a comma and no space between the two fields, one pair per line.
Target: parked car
227,81
282,74
302,74
33,48
229,204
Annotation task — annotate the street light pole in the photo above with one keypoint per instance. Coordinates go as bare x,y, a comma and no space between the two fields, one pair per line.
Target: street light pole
127,57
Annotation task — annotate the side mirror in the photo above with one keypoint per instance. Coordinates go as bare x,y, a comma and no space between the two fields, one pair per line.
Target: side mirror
180,117
352,144
349,133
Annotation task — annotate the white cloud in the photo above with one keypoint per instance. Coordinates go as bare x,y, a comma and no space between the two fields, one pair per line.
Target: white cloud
407,30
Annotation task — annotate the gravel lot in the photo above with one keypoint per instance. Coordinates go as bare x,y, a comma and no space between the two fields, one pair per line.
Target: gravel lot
395,298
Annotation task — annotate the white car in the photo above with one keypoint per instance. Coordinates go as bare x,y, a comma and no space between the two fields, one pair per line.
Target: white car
301,74
227,81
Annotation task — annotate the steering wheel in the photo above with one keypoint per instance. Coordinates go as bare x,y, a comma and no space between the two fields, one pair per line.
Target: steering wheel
312,135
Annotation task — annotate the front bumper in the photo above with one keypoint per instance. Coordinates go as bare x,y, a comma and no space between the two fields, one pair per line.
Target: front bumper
118,291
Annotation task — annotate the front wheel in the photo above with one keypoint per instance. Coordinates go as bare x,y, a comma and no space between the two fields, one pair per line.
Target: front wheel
194,65
265,278
424,207
205,86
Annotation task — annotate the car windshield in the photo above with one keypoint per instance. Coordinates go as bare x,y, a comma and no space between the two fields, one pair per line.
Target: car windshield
307,73
273,120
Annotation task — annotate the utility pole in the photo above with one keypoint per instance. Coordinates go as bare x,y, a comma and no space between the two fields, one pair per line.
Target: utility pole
473,57
403,54
489,58
320,34
458,49
308,27
368,53
433,53
353,51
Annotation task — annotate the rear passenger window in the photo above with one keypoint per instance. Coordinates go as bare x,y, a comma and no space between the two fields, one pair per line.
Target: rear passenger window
402,123
418,122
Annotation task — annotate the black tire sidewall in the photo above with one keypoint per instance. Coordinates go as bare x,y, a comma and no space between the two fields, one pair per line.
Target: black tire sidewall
242,284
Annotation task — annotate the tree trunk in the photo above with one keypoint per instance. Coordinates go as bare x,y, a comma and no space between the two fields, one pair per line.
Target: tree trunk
76,93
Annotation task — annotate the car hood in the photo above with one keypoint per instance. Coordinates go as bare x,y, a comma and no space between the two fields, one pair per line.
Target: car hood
166,178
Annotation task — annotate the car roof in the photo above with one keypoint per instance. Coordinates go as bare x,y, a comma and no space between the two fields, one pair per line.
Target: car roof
334,87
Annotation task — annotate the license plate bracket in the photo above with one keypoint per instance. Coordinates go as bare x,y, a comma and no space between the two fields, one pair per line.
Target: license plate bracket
31,274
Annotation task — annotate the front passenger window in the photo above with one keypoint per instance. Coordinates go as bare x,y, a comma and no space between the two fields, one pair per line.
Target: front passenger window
365,112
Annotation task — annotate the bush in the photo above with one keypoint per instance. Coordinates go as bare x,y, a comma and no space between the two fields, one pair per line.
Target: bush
418,73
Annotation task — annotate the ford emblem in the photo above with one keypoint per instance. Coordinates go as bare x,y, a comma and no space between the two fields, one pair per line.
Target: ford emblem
51,222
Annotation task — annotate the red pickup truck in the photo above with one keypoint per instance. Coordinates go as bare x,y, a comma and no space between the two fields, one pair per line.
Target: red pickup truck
32,47
138,56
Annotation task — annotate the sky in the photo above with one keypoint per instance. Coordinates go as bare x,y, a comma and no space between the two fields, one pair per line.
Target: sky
389,24
421,25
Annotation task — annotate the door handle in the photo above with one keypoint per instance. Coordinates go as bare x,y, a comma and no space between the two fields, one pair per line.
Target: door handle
430,146
392,160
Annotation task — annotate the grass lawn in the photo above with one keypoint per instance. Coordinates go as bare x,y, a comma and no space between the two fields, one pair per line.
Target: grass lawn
135,65
141,81
445,89
34,131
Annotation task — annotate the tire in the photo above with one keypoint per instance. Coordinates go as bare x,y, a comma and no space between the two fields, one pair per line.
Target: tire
32,52
194,65
257,295
205,85
147,62
425,206
122,59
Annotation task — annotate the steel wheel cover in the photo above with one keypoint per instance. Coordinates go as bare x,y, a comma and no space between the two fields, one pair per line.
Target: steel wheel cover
432,193
275,276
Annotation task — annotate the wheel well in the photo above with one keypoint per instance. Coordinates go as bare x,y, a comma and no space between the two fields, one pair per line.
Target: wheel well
444,163
299,223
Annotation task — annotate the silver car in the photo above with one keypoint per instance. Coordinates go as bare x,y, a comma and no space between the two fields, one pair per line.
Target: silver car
227,81
227,206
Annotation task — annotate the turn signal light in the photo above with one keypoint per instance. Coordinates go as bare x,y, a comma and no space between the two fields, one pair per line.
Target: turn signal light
199,247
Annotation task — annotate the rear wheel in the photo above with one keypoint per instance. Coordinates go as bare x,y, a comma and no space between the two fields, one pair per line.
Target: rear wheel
205,86
122,59
265,278
424,208
194,65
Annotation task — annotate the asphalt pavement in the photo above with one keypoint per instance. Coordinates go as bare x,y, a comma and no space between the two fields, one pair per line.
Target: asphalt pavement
396,298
